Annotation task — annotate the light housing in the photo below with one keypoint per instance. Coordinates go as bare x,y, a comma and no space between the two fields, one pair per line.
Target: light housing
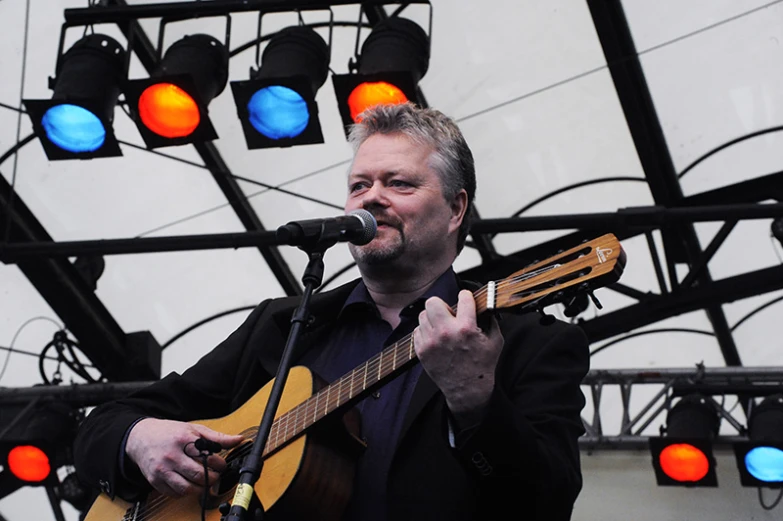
760,459
683,456
394,58
277,104
36,443
76,123
170,107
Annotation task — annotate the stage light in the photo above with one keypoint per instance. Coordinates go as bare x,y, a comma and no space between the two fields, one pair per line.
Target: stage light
170,107
76,123
760,459
394,58
683,455
38,442
29,463
277,105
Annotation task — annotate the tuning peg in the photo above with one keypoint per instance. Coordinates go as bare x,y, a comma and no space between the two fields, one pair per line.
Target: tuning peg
575,305
594,299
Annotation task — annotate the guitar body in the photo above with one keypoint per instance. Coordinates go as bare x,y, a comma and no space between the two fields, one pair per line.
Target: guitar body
309,477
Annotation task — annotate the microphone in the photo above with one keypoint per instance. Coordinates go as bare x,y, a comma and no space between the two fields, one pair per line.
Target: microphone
358,227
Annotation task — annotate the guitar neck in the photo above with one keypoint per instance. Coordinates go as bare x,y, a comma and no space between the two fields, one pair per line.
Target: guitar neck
352,386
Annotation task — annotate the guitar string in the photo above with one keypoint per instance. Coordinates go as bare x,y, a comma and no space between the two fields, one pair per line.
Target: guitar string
162,503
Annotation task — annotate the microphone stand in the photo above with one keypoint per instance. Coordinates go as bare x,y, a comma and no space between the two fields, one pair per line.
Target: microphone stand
253,464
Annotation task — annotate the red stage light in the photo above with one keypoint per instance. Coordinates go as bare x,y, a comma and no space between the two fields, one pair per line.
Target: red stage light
168,110
683,462
29,463
370,94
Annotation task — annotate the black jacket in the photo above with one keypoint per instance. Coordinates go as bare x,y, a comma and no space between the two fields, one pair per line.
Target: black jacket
521,463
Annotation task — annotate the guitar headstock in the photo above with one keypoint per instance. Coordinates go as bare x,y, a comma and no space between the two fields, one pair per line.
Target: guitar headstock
591,265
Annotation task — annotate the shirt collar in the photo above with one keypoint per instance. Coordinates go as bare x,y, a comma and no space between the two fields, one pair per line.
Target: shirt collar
445,287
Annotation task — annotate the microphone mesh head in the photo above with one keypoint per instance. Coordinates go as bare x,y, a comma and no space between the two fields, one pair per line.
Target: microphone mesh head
370,227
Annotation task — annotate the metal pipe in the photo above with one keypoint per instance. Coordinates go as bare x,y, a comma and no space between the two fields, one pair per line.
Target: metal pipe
197,9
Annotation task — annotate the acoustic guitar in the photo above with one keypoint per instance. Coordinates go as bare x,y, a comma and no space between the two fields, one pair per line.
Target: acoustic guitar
313,443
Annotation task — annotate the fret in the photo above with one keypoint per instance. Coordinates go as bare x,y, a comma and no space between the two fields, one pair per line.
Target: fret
326,406
364,384
394,360
315,409
350,392
380,365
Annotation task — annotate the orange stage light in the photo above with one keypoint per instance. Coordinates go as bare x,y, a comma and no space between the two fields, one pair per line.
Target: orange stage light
370,94
168,110
683,462
29,463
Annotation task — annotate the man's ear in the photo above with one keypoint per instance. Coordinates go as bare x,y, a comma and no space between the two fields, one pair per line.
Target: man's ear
459,206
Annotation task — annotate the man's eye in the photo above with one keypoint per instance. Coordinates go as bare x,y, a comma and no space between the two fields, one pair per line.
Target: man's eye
356,186
398,182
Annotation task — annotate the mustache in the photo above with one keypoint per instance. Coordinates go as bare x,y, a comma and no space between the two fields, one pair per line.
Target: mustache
383,218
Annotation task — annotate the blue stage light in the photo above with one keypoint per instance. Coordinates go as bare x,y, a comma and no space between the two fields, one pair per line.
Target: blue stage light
765,464
277,104
760,457
278,112
73,128
76,123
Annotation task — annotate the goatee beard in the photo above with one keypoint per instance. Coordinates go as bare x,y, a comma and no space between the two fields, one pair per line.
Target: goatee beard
372,255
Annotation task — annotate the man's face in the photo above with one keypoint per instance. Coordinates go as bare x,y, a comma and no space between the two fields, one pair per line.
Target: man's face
391,177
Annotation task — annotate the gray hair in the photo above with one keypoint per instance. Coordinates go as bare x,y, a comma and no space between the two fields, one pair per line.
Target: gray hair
452,159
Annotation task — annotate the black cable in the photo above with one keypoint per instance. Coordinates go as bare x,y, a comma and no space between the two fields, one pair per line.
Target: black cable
75,364
9,107
11,349
728,144
286,192
204,451
761,307
28,353
648,331
202,322
247,197
41,371
61,343
247,45
573,186
774,503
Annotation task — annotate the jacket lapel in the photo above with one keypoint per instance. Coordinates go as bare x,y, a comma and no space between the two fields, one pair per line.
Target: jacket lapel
324,308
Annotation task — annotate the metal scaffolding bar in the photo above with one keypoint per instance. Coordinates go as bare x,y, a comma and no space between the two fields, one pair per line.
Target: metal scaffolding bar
621,221
681,241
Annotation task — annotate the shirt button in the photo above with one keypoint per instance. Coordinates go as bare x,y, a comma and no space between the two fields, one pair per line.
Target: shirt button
376,395
105,488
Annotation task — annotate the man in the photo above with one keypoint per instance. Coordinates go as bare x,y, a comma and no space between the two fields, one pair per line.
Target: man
484,428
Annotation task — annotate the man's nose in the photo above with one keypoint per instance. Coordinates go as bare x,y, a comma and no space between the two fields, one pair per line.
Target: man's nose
374,196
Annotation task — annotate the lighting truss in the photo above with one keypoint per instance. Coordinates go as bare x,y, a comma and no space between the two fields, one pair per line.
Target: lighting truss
673,382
